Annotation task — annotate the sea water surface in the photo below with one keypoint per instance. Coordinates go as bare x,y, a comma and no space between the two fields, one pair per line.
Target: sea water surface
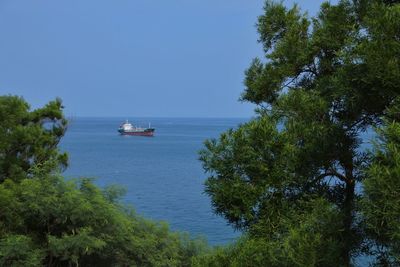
162,174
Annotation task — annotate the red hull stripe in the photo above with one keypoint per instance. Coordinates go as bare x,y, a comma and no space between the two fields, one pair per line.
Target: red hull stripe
138,133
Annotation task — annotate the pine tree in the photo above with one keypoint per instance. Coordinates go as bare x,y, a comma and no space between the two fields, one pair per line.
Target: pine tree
323,83
29,138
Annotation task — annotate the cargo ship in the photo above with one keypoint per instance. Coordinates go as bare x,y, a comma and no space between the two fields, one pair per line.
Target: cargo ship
127,128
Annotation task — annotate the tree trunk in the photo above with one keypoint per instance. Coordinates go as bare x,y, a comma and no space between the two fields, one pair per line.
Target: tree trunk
348,207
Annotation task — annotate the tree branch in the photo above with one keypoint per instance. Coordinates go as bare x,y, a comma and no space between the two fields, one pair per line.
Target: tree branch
332,173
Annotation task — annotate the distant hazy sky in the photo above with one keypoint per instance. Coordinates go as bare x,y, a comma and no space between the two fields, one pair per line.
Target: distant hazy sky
174,58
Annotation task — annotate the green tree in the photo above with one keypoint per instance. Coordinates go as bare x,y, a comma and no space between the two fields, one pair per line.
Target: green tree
302,245
29,138
323,83
381,202
48,221
51,222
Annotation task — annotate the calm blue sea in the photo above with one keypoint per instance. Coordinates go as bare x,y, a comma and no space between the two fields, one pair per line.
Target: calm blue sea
162,174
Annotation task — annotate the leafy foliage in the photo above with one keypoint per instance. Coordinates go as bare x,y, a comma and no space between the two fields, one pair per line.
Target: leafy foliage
47,221
308,243
29,138
19,250
381,204
324,82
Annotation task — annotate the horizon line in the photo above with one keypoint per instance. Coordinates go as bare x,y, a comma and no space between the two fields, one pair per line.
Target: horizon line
160,117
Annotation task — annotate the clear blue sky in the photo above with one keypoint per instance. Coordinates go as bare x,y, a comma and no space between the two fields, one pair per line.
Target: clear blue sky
159,58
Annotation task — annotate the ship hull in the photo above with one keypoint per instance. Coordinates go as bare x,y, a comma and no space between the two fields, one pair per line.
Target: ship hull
147,132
